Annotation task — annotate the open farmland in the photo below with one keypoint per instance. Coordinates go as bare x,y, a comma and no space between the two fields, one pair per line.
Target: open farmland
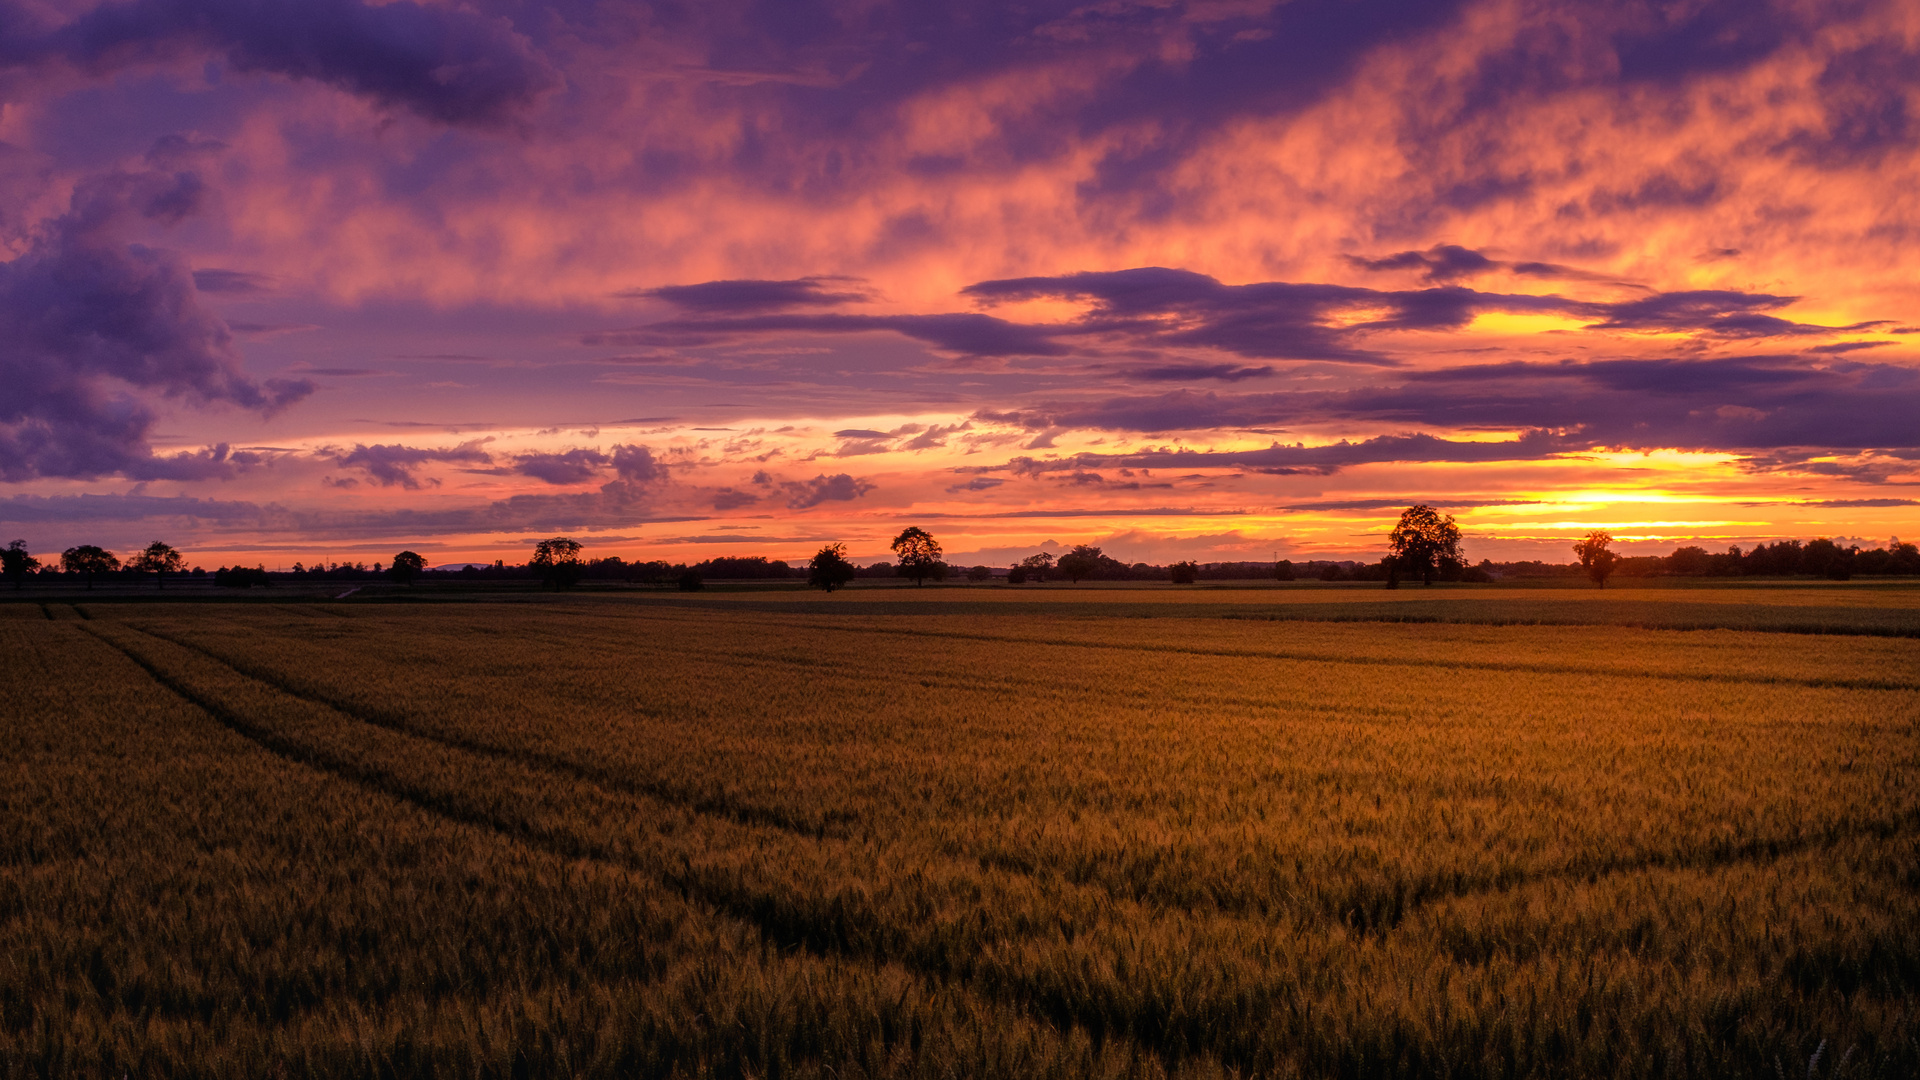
964,832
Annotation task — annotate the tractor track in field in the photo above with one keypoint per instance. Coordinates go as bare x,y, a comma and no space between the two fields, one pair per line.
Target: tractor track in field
1372,912
827,926
789,928
1303,656
553,763
1370,661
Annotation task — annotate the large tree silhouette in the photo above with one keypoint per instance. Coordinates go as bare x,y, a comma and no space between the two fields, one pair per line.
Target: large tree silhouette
558,561
88,560
1424,542
408,565
1079,563
830,569
919,554
158,559
17,564
1595,559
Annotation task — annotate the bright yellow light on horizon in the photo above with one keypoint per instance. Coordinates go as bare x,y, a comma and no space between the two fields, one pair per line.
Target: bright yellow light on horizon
1515,324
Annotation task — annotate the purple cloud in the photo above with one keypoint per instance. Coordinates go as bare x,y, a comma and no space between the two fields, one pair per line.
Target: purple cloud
394,464
1749,404
445,63
566,467
805,494
733,297
87,317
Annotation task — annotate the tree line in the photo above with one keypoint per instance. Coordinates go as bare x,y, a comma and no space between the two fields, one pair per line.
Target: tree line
1424,545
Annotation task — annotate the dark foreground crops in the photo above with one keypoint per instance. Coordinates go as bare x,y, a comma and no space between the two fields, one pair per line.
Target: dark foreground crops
621,838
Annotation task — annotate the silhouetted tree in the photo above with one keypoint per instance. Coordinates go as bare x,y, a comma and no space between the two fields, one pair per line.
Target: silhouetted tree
1424,543
87,560
558,561
1036,566
830,569
242,577
980,573
690,581
1283,570
1824,558
1184,573
159,560
17,564
1079,563
1690,561
919,554
1595,559
406,566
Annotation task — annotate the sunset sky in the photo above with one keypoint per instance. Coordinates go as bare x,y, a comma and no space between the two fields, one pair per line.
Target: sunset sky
1216,280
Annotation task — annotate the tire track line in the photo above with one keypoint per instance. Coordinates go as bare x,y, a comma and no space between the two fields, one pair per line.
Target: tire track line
553,763
1388,910
1051,1008
1369,661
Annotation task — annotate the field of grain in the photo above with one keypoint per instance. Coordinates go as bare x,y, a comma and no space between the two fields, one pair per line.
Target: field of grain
960,833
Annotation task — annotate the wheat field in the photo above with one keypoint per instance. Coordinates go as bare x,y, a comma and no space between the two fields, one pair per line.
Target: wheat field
760,835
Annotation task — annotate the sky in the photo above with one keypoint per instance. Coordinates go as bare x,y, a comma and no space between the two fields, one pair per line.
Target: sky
1220,279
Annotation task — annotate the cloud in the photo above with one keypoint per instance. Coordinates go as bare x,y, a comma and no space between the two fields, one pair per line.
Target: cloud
232,282
1744,404
636,464
615,504
733,297
87,318
1442,262
1716,311
1188,372
566,467
442,62
1447,262
1441,503
806,494
967,333
395,464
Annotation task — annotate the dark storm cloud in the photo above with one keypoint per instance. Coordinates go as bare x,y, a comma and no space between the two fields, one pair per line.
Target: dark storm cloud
715,297
442,62
86,317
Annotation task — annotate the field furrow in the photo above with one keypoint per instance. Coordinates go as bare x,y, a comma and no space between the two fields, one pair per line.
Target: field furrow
321,927
1200,927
